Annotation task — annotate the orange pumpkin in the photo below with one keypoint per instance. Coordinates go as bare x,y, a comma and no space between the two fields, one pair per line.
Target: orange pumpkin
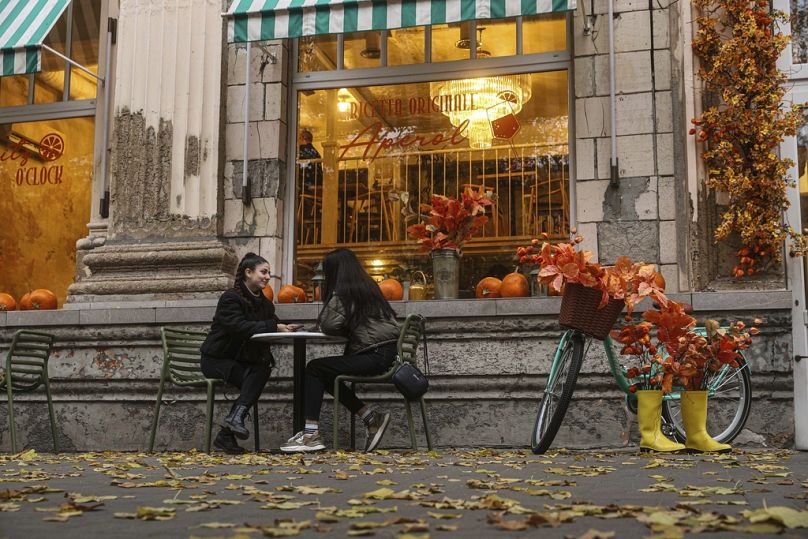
392,290
43,299
514,285
291,294
25,302
7,302
268,292
489,287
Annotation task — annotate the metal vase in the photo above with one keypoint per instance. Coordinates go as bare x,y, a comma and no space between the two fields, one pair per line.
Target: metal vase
446,272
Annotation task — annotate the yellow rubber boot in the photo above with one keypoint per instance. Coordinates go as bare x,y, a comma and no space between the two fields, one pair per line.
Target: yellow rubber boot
649,416
694,417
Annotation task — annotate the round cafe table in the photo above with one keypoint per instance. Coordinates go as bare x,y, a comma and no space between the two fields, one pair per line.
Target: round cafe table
298,340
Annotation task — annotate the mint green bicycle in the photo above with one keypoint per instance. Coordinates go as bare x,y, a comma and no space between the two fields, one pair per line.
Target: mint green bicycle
729,391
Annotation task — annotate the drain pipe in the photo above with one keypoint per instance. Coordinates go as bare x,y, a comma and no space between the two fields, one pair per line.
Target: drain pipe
246,190
614,176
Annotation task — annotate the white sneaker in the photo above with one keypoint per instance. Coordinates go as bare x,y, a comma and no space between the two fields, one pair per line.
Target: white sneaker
302,442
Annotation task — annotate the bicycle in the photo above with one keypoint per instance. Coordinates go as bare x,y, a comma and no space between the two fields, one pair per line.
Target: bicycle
729,390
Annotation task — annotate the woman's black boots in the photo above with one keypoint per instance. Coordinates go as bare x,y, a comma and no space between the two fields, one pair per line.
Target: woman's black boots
235,421
226,441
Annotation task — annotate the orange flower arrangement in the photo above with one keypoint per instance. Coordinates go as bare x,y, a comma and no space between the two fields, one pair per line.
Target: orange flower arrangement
564,263
449,222
668,351
739,43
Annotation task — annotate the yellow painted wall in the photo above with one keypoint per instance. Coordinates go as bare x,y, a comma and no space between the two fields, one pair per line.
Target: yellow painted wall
40,224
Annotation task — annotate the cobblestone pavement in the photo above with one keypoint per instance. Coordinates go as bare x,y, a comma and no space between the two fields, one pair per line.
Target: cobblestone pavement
445,494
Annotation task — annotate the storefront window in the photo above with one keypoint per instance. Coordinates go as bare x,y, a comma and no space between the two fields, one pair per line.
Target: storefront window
370,155
799,31
406,46
544,33
317,53
451,41
363,49
47,167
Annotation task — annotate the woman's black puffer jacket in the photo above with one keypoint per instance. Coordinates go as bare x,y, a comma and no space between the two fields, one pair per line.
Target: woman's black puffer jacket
239,316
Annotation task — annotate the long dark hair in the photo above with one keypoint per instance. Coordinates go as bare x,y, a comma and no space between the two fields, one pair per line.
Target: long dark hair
358,292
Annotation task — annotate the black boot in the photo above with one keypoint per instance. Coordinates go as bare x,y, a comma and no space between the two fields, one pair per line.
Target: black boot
226,441
235,421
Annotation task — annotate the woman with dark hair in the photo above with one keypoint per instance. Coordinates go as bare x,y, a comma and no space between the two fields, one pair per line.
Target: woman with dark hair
228,353
354,308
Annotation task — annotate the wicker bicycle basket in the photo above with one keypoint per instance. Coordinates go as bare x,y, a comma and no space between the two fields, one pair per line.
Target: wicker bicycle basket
579,310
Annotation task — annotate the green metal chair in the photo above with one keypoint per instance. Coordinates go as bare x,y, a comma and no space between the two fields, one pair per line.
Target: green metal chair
26,369
412,333
182,360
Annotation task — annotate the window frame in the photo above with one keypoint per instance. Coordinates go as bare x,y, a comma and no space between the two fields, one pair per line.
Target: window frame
426,72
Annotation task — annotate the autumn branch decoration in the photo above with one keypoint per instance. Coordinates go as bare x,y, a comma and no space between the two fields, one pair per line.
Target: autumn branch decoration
448,222
738,43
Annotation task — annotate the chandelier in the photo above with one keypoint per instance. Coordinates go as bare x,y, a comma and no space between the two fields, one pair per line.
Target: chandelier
482,102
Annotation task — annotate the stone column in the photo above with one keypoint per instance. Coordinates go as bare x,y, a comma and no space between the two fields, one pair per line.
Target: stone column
165,158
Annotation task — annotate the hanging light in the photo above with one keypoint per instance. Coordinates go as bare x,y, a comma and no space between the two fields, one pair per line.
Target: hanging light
470,100
343,100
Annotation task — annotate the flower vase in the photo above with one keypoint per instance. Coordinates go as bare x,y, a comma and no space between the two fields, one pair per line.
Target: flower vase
446,273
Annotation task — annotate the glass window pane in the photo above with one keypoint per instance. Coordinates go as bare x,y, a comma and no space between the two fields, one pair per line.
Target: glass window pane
318,53
371,155
544,33
362,49
14,90
49,83
406,46
86,27
50,167
496,38
451,42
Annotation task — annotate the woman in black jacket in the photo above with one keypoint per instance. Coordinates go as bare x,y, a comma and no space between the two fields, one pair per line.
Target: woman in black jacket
354,308
228,353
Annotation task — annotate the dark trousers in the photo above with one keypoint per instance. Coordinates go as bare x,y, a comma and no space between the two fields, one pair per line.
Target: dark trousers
250,378
321,373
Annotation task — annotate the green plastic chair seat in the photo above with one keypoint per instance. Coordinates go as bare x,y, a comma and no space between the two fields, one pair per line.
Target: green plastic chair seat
182,366
25,369
411,336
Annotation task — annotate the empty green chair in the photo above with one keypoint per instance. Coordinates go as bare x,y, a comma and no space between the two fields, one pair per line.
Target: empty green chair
412,333
182,366
26,369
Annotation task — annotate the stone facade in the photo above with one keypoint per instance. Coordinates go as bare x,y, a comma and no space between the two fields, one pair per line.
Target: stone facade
485,380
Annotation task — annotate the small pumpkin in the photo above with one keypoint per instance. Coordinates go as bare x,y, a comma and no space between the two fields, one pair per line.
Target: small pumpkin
489,287
25,302
514,285
290,293
7,302
392,290
268,292
43,299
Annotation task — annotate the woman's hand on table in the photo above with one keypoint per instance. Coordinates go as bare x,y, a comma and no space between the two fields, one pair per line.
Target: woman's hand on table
286,328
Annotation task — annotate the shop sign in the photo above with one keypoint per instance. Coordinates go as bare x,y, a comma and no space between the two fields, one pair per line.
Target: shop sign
50,148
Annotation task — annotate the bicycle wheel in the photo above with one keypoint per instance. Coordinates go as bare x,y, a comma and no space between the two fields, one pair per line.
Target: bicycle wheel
730,397
558,393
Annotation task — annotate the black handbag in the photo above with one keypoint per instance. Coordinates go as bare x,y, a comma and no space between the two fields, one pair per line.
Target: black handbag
409,379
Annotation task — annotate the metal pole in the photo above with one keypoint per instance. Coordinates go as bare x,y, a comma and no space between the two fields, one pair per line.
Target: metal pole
104,209
73,63
245,182
614,175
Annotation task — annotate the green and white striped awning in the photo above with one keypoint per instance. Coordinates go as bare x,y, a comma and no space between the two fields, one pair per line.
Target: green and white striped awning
23,27
257,20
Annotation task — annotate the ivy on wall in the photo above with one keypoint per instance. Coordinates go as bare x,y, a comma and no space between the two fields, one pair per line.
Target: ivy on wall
738,43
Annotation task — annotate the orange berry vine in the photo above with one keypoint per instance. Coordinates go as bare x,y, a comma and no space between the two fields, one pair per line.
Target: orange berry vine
738,43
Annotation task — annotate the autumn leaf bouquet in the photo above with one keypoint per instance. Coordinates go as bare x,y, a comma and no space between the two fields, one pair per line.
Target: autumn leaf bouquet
593,295
448,222
668,350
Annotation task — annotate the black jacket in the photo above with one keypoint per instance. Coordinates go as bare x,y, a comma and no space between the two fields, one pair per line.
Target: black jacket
238,318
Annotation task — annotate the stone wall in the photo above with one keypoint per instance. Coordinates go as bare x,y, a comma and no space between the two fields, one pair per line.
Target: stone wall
258,225
488,359
636,217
